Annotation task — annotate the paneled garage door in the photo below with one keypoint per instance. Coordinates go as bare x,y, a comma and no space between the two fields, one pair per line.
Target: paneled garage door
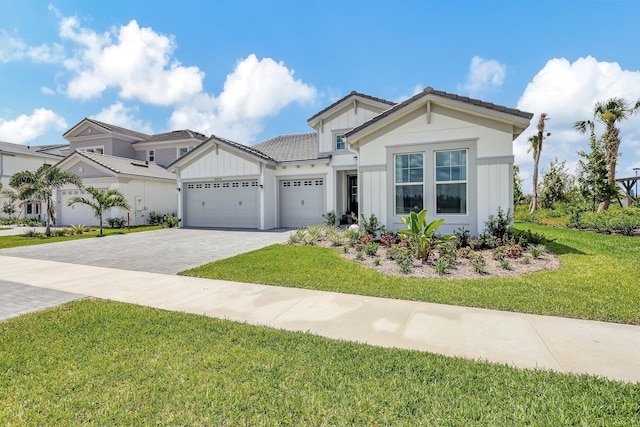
301,202
77,214
230,204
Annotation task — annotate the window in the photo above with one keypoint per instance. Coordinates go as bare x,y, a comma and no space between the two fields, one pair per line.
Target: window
409,183
98,150
340,142
451,182
182,151
151,155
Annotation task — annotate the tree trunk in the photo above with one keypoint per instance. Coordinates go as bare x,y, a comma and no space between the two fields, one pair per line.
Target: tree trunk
101,224
534,197
49,209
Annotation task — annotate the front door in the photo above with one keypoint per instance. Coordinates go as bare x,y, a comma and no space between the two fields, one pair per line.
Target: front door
352,193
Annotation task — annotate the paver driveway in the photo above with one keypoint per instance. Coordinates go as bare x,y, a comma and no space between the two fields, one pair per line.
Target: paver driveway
160,251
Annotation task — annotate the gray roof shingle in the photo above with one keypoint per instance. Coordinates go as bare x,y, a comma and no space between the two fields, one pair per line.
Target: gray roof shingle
176,135
8,147
293,147
126,166
112,128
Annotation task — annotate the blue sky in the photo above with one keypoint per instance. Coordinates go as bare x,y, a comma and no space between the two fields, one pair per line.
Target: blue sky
249,70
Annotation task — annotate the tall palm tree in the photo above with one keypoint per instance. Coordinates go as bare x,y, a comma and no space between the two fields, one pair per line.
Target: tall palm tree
42,184
536,147
102,201
610,113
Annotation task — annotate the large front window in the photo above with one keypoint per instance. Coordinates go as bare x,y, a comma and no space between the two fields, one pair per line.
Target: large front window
451,182
409,183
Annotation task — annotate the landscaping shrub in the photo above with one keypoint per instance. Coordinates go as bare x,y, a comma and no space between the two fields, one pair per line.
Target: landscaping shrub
117,222
500,224
371,249
330,217
371,226
79,229
171,221
155,218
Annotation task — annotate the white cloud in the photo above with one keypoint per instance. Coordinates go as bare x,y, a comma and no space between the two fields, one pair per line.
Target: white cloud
139,63
567,92
47,90
26,128
484,74
15,49
119,115
416,90
255,90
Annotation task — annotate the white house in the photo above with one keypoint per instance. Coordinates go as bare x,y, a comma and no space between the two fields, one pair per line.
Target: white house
449,154
146,186
17,158
106,156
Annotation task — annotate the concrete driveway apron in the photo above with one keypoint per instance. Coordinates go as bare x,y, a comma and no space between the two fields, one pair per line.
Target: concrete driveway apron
166,251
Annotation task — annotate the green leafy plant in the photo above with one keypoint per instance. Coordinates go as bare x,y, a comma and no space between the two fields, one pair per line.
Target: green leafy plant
359,255
441,265
462,237
422,234
296,236
500,224
101,201
536,251
376,262
79,229
371,225
171,221
505,263
117,222
371,249
330,217
155,218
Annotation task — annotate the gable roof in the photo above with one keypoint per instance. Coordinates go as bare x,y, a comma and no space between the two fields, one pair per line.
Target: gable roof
110,128
34,151
124,166
176,135
343,99
429,91
212,140
293,147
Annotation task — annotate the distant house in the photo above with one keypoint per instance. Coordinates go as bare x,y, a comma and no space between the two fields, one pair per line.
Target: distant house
106,156
16,158
439,151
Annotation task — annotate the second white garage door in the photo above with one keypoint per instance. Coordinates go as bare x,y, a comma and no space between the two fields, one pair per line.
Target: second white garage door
301,202
228,204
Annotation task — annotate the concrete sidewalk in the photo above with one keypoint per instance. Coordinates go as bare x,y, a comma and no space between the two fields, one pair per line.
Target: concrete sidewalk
521,340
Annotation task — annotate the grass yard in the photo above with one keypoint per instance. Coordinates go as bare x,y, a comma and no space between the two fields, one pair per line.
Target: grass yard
20,240
105,363
599,279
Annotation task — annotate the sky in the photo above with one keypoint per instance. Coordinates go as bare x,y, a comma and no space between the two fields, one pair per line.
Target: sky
249,70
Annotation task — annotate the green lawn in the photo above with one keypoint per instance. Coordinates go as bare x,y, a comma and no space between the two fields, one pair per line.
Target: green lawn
599,278
20,240
103,363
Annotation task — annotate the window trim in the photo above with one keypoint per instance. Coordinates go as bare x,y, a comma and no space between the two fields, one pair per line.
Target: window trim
459,181
151,155
93,149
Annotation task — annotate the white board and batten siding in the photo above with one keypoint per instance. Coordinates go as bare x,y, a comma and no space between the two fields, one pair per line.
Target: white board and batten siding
219,164
374,185
492,191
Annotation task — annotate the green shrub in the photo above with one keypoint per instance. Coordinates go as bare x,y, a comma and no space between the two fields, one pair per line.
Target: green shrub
171,221
500,224
117,222
79,229
536,251
330,217
371,226
155,218
462,237
296,236
34,234
359,255
505,263
441,264
371,249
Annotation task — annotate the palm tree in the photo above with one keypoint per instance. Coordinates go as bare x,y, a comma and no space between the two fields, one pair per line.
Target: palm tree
102,201
536,147
610,113
42,184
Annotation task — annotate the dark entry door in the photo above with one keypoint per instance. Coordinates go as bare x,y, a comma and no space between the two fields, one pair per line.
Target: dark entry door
352,184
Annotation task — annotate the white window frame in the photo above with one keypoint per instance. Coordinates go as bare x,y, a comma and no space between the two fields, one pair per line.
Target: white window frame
458,181
151,155
339,138
179,149
397,184
98,149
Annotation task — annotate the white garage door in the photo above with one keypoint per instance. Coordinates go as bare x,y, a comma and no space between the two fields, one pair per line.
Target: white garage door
77,214
230,204
301,202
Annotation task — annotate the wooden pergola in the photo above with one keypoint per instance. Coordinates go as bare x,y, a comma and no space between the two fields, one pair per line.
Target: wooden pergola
628,184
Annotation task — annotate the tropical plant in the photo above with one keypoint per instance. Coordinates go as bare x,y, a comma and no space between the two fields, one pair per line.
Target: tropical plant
422,234
609,113
41,185
101,202
371,225
518,194
594,186
171,221
498,226
117,222
556,184
536,148
330,217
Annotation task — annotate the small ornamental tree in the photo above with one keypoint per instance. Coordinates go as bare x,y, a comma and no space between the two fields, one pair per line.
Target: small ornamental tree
593,181
41,185
101,202
556,184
